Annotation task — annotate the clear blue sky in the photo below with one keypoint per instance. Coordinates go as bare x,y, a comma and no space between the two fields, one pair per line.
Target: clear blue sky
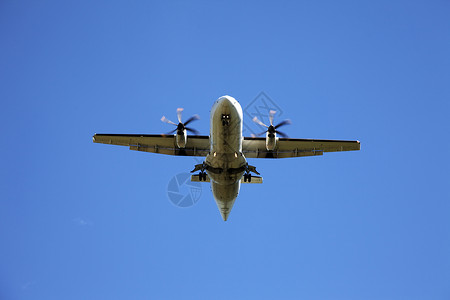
86,221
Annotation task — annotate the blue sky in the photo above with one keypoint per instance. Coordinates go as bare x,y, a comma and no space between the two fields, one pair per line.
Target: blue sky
85,221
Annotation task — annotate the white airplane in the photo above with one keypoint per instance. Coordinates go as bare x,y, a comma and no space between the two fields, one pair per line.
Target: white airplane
225,149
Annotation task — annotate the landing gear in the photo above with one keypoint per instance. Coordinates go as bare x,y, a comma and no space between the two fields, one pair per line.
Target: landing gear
200,167
249,169
247,177
202,175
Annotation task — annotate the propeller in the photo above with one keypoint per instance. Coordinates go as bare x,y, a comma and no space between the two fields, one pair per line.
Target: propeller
181,126
272,129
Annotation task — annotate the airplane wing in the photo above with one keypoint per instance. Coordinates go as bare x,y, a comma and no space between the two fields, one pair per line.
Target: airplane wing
157,143
285,147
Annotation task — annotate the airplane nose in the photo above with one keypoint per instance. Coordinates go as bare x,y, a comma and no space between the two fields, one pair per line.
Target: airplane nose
226,106
225,101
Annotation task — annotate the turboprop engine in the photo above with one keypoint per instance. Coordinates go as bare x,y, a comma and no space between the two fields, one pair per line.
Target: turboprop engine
271,132
181,130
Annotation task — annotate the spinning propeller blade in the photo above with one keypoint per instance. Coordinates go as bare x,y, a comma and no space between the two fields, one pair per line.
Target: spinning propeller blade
181,126
272,129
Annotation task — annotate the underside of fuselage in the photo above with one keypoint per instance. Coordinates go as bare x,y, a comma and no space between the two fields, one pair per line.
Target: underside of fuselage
225,164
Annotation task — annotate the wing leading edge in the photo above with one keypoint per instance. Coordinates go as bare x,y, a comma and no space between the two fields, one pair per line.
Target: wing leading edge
286,147
157,143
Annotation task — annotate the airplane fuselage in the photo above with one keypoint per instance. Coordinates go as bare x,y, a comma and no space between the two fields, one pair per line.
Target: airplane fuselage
225,162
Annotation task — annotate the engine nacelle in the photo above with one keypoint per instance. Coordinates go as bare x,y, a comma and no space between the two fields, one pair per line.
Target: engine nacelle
271,141
181,138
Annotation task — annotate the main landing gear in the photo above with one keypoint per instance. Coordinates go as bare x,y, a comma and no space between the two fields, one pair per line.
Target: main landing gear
247,177
247,174
202,174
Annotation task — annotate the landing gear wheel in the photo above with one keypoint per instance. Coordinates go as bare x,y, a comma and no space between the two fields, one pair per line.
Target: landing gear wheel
202,176
248,177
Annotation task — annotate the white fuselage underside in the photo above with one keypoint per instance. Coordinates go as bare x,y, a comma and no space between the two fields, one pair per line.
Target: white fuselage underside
225,162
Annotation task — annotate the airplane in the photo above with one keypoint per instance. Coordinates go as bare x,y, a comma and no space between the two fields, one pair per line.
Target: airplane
225,150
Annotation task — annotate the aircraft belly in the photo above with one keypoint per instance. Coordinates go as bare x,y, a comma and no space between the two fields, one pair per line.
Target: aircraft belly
225,195
225,162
